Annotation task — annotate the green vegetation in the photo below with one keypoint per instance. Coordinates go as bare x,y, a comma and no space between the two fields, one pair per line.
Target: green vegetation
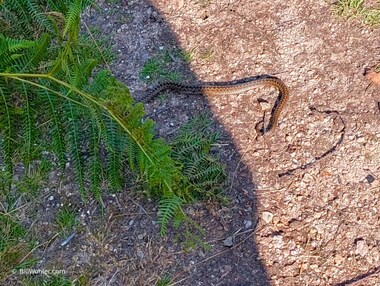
192,147
165,281
358,9
66,220
12,250
206,55
157,68
112,1
59,107
52,281
57,102
187,56
55,281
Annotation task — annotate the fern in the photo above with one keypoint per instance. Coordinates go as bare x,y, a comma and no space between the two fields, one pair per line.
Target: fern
15,12
7,126
31,17
37,15
57,134
28,129
74,140
72,20
202,172
99,83
26,55
61,6
168,207
95,164
178,218
89,117
115,151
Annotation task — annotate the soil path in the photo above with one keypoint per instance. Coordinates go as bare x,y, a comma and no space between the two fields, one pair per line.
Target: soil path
304,199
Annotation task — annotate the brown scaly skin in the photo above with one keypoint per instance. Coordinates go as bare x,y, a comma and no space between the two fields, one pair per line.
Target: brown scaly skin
230,88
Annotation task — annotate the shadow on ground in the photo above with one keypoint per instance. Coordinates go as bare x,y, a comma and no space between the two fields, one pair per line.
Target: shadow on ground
140,34
121,244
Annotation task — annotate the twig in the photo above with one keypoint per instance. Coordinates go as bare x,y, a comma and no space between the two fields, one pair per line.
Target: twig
329,151
97,46
34,248
110,281
133,214
224,251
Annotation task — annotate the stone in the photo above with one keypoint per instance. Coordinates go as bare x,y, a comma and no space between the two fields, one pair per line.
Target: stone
267,217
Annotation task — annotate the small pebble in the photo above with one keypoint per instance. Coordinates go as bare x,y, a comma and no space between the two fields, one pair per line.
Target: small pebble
267,217
247,224
229,241
140,254
370,179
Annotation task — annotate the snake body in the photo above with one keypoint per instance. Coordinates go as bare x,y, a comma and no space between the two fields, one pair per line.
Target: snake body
230,88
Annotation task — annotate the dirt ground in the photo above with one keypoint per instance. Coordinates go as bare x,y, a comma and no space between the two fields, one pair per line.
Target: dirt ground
318,225
305,207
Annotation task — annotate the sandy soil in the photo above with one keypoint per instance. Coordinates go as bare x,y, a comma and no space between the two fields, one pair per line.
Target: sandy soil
318,225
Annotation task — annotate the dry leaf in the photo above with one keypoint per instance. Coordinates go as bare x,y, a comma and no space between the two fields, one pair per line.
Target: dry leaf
373,76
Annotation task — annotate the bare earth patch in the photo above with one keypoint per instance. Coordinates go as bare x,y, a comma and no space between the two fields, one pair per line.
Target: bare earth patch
318,225
305,207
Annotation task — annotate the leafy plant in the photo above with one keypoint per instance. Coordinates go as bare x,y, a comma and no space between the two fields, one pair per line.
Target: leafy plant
48,281
66,219
54,98
187,56
164,281
156,68
193,148
357,9
12,250
203,176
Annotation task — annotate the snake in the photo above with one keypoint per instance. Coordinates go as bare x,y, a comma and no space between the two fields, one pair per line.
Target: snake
229,88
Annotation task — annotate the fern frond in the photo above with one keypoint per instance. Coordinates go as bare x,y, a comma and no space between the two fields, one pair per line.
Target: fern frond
64,6
22,55
209,173
81,73
196,161
5,54
114,146
29,17
114,171
203,174
57,132
17,9
39,16
99,84
95,164
28,129
178,218
74,138
6,130
167,208
186,146
153,156
72,20
131,153
59,6
17,45
34,56
163,171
